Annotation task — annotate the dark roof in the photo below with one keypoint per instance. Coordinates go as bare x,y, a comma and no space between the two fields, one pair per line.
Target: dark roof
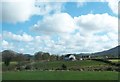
68,55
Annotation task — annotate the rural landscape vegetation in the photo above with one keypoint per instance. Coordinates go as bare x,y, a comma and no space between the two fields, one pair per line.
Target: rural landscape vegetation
18,66
59,40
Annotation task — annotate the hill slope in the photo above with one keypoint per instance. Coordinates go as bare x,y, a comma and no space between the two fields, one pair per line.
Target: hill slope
113,52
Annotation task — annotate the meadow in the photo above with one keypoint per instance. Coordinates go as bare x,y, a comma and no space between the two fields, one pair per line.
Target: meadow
69,64
60,75
48,70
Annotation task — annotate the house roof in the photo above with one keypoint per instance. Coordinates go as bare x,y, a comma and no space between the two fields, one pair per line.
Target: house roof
68,55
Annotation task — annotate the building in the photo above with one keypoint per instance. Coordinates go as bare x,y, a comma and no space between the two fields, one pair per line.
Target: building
70,57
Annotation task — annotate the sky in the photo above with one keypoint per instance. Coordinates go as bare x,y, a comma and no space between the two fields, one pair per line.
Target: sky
59,27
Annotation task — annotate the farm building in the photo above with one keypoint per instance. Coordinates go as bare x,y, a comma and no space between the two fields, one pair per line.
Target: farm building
70,57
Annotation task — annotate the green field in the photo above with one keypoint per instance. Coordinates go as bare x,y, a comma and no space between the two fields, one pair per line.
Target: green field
115,60
38,74
59,75
53,65
69,64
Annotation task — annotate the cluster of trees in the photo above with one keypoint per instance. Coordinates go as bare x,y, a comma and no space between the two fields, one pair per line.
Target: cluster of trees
9,56
26,61
38,56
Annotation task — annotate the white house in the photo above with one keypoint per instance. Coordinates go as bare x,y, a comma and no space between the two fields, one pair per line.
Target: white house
70,57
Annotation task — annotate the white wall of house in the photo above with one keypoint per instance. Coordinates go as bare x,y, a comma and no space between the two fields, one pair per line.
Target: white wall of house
73,57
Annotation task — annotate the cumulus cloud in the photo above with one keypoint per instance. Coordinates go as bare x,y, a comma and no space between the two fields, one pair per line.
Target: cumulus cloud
24,37
99,30
60,33
57,23
97,23
22,10
113,4
18,11
91,33
14,11
7,45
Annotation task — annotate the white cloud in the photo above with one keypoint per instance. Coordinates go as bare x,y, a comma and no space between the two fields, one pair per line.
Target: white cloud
18,11
4,43
24,37
85,33
97,23
22,10
98,30
14,11
113,4
7,45
92,33
21,50
57,23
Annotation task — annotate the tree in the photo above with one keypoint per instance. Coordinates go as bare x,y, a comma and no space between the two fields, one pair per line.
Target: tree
28,57
7,61
20,57
57,58
64,67
62,57
45,56
38,55
42,56
8,56
52,58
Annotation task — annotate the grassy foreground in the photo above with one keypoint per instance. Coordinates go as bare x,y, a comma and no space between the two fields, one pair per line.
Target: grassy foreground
60,75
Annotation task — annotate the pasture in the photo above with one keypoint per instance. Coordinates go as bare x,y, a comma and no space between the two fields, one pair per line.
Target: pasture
69,64
59,75
48,70
115,60
53,65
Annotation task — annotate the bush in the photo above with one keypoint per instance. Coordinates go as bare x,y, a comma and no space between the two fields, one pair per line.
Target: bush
28,67
64,67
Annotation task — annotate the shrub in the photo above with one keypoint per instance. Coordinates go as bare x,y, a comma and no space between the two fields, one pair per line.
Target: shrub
64,67
28,67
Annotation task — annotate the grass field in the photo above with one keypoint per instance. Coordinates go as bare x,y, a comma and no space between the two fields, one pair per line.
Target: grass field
59,75
57,64
69,64
115,60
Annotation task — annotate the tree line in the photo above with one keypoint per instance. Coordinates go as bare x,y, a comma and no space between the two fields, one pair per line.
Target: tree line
9,56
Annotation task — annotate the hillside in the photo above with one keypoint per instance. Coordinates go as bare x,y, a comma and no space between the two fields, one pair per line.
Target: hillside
113,52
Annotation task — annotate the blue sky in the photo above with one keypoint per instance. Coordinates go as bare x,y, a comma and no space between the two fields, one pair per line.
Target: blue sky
58,28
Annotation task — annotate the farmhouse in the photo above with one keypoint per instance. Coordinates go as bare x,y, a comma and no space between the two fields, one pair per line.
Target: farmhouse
70,57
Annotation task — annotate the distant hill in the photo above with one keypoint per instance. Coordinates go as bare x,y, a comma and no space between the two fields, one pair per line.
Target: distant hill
9,52
111,52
